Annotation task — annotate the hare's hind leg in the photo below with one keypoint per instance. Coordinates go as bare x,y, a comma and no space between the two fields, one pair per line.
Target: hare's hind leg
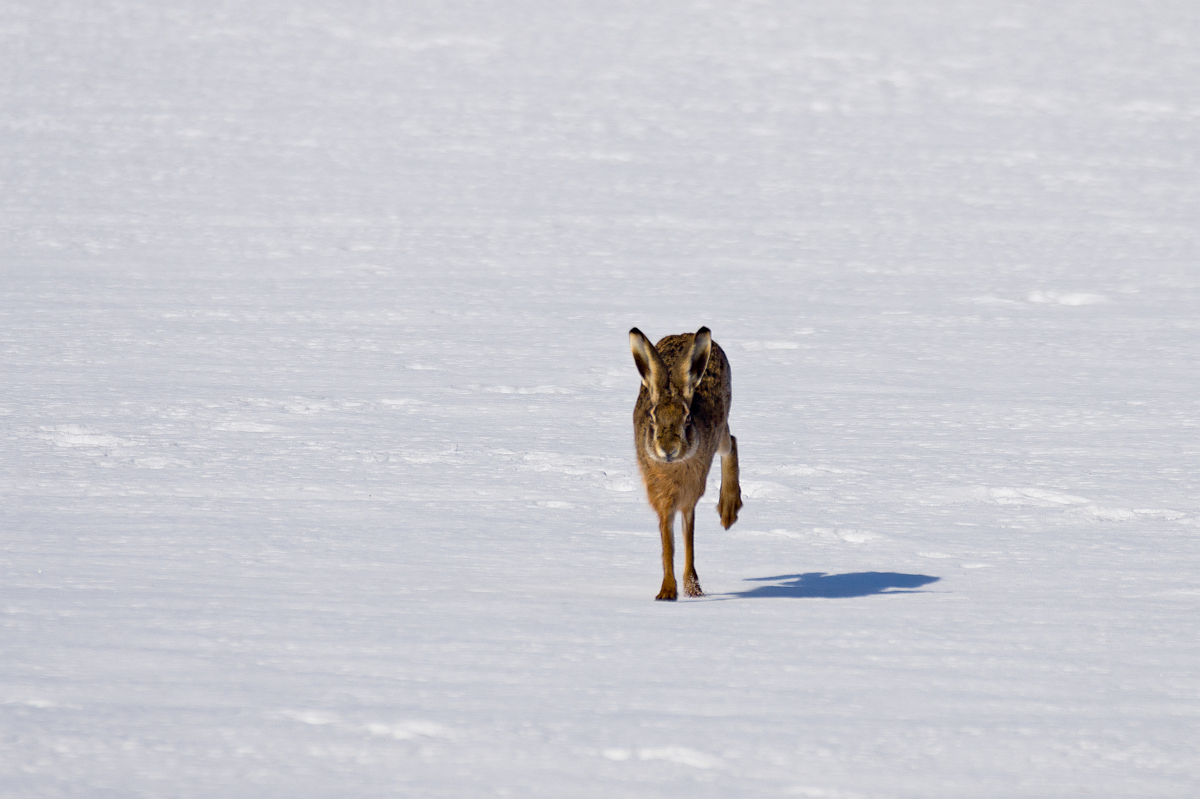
666,523
731,491
691,582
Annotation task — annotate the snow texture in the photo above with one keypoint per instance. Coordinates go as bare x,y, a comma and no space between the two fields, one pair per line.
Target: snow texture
316,473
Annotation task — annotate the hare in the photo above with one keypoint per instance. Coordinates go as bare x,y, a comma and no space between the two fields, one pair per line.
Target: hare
680,421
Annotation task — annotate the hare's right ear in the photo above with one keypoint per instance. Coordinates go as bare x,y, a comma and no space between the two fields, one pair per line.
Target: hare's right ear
649,362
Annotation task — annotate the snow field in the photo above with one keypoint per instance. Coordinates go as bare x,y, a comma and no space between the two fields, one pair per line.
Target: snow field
316,470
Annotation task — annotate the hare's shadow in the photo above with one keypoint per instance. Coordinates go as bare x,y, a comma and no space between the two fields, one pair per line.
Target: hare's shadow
834,586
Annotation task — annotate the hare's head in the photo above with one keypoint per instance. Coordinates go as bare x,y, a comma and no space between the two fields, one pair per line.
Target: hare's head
672,434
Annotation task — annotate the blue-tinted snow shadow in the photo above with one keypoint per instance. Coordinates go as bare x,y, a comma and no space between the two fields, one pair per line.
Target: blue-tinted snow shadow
834,586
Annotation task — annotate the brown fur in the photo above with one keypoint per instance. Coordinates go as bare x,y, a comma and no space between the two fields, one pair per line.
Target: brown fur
680,422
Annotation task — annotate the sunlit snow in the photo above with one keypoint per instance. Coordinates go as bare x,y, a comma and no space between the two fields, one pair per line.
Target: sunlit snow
317,473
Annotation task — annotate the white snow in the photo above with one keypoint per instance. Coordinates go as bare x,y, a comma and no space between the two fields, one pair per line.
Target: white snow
316,471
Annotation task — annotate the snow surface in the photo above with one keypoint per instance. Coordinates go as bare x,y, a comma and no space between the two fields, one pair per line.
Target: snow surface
317,474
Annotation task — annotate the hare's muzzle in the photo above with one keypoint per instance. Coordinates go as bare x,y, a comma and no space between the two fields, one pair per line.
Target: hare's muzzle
669,454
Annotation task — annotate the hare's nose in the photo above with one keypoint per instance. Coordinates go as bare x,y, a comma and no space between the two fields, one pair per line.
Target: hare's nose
667,454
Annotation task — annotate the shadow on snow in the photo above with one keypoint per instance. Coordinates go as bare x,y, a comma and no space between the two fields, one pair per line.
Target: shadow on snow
835,586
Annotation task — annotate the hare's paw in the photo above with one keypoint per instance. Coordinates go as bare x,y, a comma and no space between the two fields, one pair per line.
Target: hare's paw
728,506
691,585
668,592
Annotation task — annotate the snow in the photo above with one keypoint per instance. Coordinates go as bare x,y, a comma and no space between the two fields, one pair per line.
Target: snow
317,473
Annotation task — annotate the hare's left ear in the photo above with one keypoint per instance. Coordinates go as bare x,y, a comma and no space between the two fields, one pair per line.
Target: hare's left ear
694,365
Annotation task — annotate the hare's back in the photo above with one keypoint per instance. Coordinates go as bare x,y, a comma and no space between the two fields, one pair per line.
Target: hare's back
714,394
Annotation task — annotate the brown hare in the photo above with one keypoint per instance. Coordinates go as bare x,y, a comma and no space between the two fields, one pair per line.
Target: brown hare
680,421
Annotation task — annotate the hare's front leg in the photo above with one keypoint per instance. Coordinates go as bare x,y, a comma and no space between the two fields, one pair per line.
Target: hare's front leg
731,490
691,582
666,523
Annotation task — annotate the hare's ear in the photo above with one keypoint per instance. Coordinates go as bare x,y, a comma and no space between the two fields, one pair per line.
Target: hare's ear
692,367
649,362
